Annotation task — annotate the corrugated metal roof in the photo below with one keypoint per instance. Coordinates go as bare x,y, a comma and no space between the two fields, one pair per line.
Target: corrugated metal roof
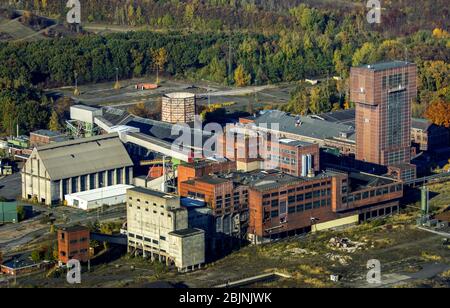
84,156
312,128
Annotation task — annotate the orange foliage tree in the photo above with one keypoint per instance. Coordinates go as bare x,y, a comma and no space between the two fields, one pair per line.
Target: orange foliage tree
439,113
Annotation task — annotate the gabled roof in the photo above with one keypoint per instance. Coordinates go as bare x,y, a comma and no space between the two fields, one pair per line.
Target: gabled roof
84,156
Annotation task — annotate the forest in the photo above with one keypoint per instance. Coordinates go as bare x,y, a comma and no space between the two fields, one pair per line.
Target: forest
311,42
400,17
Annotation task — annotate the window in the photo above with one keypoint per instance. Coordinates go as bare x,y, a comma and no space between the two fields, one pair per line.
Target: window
274,214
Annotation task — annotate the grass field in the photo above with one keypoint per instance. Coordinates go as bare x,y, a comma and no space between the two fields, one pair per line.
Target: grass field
18,31
408,257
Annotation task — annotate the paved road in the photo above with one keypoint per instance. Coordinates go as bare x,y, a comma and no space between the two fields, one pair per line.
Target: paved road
70,216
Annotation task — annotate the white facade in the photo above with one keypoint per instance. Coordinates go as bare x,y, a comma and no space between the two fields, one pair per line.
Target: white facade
84,113
158,227
92,199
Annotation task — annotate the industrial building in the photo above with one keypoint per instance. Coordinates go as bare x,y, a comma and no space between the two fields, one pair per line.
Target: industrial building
158,228
257,150
301,128
56,170
383,94
178,107
43,137
8,212
268,204
95,198
73,243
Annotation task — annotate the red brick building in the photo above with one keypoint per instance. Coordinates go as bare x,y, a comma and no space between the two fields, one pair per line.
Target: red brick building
383,94
43,137
73,243
257,150
202,168
279,205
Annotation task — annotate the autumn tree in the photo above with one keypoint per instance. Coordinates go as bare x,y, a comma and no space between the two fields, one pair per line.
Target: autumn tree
439,113
140,110
241,77
54,122
159,61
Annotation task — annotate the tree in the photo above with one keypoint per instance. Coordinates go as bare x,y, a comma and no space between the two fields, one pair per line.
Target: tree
439,113
140,110
54,122
159,61
365,55
241,77
21,214
36,256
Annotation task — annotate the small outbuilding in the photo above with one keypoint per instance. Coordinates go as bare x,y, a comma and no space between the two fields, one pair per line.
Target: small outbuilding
92,199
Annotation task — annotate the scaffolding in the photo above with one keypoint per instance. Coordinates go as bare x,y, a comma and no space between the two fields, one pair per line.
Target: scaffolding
78,129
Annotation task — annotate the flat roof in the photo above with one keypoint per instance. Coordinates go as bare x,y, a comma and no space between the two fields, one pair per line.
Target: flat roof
180,95
101,193
152,192
211,179
74,228
47,133
85,107
294,143
186,232
381,66
307,126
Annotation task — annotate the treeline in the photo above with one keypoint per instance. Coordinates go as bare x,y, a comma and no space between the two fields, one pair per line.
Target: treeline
322,46
239,59
399,17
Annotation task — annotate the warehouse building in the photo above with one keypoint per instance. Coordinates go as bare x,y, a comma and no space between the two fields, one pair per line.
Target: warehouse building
56,170
158,228
95,198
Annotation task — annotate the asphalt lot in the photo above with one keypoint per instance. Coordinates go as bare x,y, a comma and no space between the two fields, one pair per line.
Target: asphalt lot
10,186
103,93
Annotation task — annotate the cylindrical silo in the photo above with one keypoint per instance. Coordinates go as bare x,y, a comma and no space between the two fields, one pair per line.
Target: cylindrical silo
178,107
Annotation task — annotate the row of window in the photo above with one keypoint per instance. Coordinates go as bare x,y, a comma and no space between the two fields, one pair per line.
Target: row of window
372,193
105,178
146,202
81,240
148,210
75,252
393,81
301,197
293,190
147,239
302,208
